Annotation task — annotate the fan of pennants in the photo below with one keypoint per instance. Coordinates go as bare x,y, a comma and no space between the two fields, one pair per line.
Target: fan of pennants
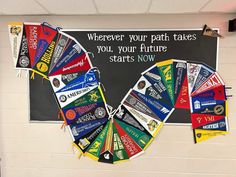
124,133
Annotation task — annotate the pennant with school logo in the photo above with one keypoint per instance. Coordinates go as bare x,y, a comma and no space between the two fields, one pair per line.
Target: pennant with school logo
125,116
132,101
203,74
71,51
33,31
42,65
161,110
199,120
15,31
202,135
62,43
132,149
23,56
93,96
60,81
154,77
94,150
46,36
144,87
74,59
85,141
193,70
182,100
142,139
221,125
215,107
119,153
81,129
180,72
89,79
166,70
86,113
212,82
106,154
151,125
217,93
65,98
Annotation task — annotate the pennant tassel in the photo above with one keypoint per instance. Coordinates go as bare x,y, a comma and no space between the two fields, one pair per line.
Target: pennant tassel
32,75
18,74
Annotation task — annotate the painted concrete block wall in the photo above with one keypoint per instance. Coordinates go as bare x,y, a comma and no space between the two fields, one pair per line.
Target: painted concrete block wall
44,150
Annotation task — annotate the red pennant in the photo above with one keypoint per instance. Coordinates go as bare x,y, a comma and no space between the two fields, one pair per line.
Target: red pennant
212,82
183,97
131,147
32,35
199,120
81,63
217,93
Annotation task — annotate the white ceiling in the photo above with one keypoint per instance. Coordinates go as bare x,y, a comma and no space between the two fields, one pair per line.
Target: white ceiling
85,7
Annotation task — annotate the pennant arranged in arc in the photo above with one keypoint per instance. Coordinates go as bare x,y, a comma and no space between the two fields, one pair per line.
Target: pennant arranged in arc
124,133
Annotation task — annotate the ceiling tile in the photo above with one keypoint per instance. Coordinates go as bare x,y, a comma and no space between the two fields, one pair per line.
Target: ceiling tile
226,6
16,7
176,6
69,7
122,6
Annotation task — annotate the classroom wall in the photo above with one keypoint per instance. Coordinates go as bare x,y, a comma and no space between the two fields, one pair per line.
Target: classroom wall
44,150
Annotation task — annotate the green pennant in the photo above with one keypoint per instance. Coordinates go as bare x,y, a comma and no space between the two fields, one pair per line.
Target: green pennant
93,96
95,148
119,153
166,70
141,138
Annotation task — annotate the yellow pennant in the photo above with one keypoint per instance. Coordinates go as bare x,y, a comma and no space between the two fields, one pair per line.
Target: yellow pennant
202,135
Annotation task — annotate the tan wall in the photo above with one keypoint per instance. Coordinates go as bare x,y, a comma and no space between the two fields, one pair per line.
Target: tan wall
44,150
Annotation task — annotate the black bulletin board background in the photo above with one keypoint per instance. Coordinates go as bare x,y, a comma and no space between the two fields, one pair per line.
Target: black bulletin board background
118,78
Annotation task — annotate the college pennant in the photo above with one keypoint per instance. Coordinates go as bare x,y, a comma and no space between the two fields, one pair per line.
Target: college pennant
62,43
106,154
180,73
131,147
78,130
132,101
199,120
193,70
202,135
85,141
33,31
182,100
153,126
47,34
95,148
142,139
65,98
207,31
42,65
23,61
85,113
89,79
119,153
93,96
212,82
154,77
203,74
124,115
15,31
166,70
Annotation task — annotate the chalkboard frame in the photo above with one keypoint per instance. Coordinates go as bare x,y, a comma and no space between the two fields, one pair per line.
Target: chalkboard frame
120,29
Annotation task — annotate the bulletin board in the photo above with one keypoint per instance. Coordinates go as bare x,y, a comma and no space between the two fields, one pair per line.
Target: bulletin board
121,56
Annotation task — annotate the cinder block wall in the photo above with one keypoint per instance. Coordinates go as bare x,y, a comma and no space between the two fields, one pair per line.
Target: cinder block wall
44,150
